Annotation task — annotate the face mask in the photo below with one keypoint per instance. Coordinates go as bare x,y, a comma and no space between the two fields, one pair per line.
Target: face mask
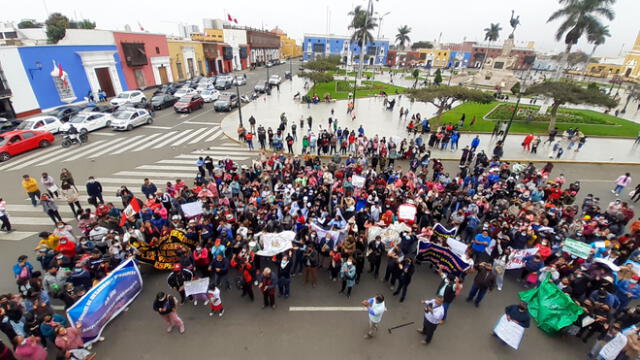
349,263
198,249
92,181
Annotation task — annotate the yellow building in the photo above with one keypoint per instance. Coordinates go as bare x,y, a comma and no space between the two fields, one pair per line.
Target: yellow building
187,58
436,58
209,35
288,46
605,68
632,61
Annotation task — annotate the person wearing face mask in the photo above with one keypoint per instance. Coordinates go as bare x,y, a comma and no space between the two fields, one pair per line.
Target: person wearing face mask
374,254
94,190
284,277
66,247
348,276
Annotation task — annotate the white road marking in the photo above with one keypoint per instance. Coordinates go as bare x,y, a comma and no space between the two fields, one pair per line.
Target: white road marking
188,137
171,139
29,208
63,153
156,140
327,308
125,142
22,159
124,181
191,160
157,127
226,148
151,174
85,154
203,135
214,136
199,123
131,146
103,134
220,155
167,167
27,220
16,235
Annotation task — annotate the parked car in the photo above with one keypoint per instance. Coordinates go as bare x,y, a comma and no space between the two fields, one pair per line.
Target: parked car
239,80
64,113
166,89
225,102
162,101
17,142
189,103
203,87
223,82
268,64
131,97
128,119
261,87
275,80
41,123
185,90
103,108
210,95
8,124
87,122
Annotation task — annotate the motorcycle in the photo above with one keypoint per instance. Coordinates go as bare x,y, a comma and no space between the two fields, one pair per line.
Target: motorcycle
70,139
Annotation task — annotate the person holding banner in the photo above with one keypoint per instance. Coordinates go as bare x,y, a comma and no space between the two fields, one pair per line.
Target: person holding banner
69,341
167,307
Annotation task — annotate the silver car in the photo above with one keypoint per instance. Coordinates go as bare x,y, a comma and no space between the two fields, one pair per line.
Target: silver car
239,80
130,118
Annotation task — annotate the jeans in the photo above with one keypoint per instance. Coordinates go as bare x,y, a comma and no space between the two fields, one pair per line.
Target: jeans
220,278
480,292
618,188
284,286
344,286
54,215
173,319
446,310
6,225
34,196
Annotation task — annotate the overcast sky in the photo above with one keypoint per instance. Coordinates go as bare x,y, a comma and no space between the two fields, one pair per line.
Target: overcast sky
455,19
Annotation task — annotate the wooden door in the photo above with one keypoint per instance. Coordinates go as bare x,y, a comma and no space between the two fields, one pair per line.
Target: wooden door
104,80
139,78
163,75
190,68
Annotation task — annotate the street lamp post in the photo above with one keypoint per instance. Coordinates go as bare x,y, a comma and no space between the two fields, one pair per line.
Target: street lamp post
362,47
239,101
515,110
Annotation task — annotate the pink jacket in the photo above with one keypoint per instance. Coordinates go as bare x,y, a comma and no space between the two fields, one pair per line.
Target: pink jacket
72,340
623,180
30,351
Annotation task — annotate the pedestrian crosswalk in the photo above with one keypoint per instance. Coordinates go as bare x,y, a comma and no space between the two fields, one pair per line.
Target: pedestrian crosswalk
28,220
114,146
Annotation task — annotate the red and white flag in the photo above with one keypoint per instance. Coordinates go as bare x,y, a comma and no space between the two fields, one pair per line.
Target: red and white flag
131,210
232,19
62,75
140,26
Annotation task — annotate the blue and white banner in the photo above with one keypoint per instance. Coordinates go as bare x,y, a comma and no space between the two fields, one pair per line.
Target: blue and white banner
106,300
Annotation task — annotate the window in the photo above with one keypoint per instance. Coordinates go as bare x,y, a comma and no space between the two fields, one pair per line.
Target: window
50,120
157,50
11,35
28,135
65,91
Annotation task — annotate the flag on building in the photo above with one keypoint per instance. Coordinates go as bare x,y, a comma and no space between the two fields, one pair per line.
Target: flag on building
232,19
140,26
131,209
62,75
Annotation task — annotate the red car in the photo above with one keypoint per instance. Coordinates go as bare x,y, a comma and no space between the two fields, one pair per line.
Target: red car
16,142
188,103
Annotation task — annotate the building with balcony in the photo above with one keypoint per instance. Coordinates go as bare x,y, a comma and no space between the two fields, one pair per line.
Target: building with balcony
288,46
317,46
632,61
186,58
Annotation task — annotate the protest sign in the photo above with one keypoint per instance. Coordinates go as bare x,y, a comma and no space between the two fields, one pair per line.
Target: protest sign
612,349
275,243
439,255
390,235
407,213
338,236
198,286
103,302
192,209
576,248
358,181
516,260
509,331
440,230
162,255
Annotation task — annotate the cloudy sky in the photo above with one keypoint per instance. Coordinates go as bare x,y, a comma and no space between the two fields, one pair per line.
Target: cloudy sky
455,19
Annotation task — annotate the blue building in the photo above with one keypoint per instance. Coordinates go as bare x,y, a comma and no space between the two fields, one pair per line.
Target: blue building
64,74
459,59
317,46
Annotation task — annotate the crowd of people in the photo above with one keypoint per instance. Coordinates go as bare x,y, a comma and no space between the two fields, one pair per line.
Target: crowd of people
495,207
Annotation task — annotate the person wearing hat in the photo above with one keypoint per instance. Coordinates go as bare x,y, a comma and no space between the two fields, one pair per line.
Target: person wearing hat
177,278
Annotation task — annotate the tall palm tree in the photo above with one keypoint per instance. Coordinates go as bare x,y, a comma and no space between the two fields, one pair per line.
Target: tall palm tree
402,38
597,37
580,17
362,30
491,34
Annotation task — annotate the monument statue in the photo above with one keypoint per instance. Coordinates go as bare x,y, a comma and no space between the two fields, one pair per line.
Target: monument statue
515,21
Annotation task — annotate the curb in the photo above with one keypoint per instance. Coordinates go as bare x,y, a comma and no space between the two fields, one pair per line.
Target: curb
570,162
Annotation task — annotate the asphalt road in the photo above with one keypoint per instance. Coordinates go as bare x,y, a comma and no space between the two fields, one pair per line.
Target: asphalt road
246,331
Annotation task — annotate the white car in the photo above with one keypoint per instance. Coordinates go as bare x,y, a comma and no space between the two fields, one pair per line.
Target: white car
129,97
130,118
275,80
210,95
239,80
184,91
203,87
87,122
41,123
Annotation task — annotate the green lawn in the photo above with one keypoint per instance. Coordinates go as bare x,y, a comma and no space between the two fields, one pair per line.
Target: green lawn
598,124
341,89
412,78
350,73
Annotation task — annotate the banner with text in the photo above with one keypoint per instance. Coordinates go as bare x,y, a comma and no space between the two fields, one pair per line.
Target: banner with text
439,255
162,255
275,243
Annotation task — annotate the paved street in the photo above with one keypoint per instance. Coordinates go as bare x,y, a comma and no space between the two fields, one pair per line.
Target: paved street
166,151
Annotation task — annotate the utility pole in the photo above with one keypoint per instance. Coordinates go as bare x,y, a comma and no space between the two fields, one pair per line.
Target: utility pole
239,101
515,110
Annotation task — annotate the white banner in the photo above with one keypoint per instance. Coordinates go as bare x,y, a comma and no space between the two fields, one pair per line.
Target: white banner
275,243
612,349
358,181
509,331
407,212
516,260
390,235
199,286
192,209
457,246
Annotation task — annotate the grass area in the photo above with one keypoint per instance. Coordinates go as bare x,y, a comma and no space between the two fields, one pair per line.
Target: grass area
350,73
593,123
413,79
341,89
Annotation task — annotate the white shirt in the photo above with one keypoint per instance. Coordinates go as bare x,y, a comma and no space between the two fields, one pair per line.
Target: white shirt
436,315
214,297
376,310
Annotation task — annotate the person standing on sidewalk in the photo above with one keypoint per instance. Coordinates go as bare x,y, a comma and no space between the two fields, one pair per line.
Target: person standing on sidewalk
30,185
375,308
166,306
433,314
621,182
4,217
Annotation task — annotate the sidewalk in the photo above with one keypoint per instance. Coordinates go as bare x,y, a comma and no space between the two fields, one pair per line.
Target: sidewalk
377,121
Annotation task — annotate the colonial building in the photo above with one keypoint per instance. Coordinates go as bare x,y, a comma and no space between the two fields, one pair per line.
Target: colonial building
632,61
263,45
288,47
318,46
186,58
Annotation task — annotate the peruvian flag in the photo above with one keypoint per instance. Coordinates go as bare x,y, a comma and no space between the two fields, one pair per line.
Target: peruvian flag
62,75
232,19
131,210
140,26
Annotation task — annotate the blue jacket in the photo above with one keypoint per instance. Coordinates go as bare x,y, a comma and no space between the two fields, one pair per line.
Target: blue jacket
475,142
94,189
17,268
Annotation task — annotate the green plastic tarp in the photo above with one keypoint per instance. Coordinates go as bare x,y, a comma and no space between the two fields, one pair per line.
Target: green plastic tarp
551,307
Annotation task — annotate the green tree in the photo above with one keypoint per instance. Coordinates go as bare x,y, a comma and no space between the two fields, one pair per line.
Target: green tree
320,65
402,38
563,92
593,86
597,37
28,24
580,17
437,80
634,94
83,24
57,25
362,24
491,34
442,97
416,74
316,77
422,45
515,89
